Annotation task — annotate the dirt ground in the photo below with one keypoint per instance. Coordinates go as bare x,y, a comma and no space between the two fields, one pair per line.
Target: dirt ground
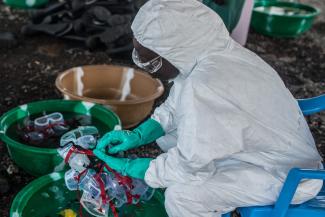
27,73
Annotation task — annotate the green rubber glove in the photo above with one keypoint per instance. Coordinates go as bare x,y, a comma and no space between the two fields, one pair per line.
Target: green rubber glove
135,168
147,132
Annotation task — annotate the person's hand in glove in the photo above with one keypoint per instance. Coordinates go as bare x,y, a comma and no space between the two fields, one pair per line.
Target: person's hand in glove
135,168
147,132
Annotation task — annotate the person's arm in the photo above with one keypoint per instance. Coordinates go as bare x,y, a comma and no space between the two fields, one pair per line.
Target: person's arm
122,140
160,123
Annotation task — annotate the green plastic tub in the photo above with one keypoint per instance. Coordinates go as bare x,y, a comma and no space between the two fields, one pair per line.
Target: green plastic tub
229,12
282,19
47,196
25,3
40,161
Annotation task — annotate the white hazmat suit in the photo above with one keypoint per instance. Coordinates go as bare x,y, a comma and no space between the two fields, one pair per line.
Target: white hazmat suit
233,130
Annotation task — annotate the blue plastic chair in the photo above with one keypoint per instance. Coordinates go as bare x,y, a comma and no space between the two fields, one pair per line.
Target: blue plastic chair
312,105
282,207
227,214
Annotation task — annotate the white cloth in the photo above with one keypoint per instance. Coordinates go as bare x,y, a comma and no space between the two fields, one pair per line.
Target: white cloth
238,128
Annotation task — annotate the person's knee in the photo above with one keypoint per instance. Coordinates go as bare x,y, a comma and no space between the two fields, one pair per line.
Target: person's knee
185,200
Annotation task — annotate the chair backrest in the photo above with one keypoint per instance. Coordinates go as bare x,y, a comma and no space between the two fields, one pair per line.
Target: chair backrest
312,105
308,106
289,188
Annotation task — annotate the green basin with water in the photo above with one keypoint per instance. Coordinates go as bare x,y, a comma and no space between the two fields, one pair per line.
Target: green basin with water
38,160
282,19
47,196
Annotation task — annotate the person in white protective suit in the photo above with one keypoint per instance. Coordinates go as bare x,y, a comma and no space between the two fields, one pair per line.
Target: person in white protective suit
230,128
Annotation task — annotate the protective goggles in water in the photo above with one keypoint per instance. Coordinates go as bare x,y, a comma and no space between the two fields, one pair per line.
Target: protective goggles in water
151,66
45,120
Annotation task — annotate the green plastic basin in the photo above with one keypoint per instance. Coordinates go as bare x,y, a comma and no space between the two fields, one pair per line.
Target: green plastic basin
229,12
40,161
282,19
25,3
47,195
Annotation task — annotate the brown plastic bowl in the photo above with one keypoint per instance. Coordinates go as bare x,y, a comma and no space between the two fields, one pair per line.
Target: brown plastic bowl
104,84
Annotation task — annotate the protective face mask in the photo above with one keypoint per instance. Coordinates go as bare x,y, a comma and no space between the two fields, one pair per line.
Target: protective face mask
151,66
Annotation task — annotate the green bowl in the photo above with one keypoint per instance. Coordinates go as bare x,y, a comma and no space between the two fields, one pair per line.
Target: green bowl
41,161
25,3
282,19
47,196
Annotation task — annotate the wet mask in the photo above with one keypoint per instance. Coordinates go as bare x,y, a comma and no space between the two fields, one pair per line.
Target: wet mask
45,121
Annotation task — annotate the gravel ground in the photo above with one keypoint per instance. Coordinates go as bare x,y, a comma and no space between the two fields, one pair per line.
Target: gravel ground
28,72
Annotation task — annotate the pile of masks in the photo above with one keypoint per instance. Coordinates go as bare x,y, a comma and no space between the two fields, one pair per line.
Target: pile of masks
103,189
96,23
36,131
48,126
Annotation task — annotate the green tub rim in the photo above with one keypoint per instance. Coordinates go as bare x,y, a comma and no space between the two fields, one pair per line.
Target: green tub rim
28,191
31,188
314,11
50,151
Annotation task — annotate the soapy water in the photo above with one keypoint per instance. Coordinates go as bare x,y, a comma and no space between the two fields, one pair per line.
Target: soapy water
48,136
46,195
54,189
56,192
40,205
275,10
